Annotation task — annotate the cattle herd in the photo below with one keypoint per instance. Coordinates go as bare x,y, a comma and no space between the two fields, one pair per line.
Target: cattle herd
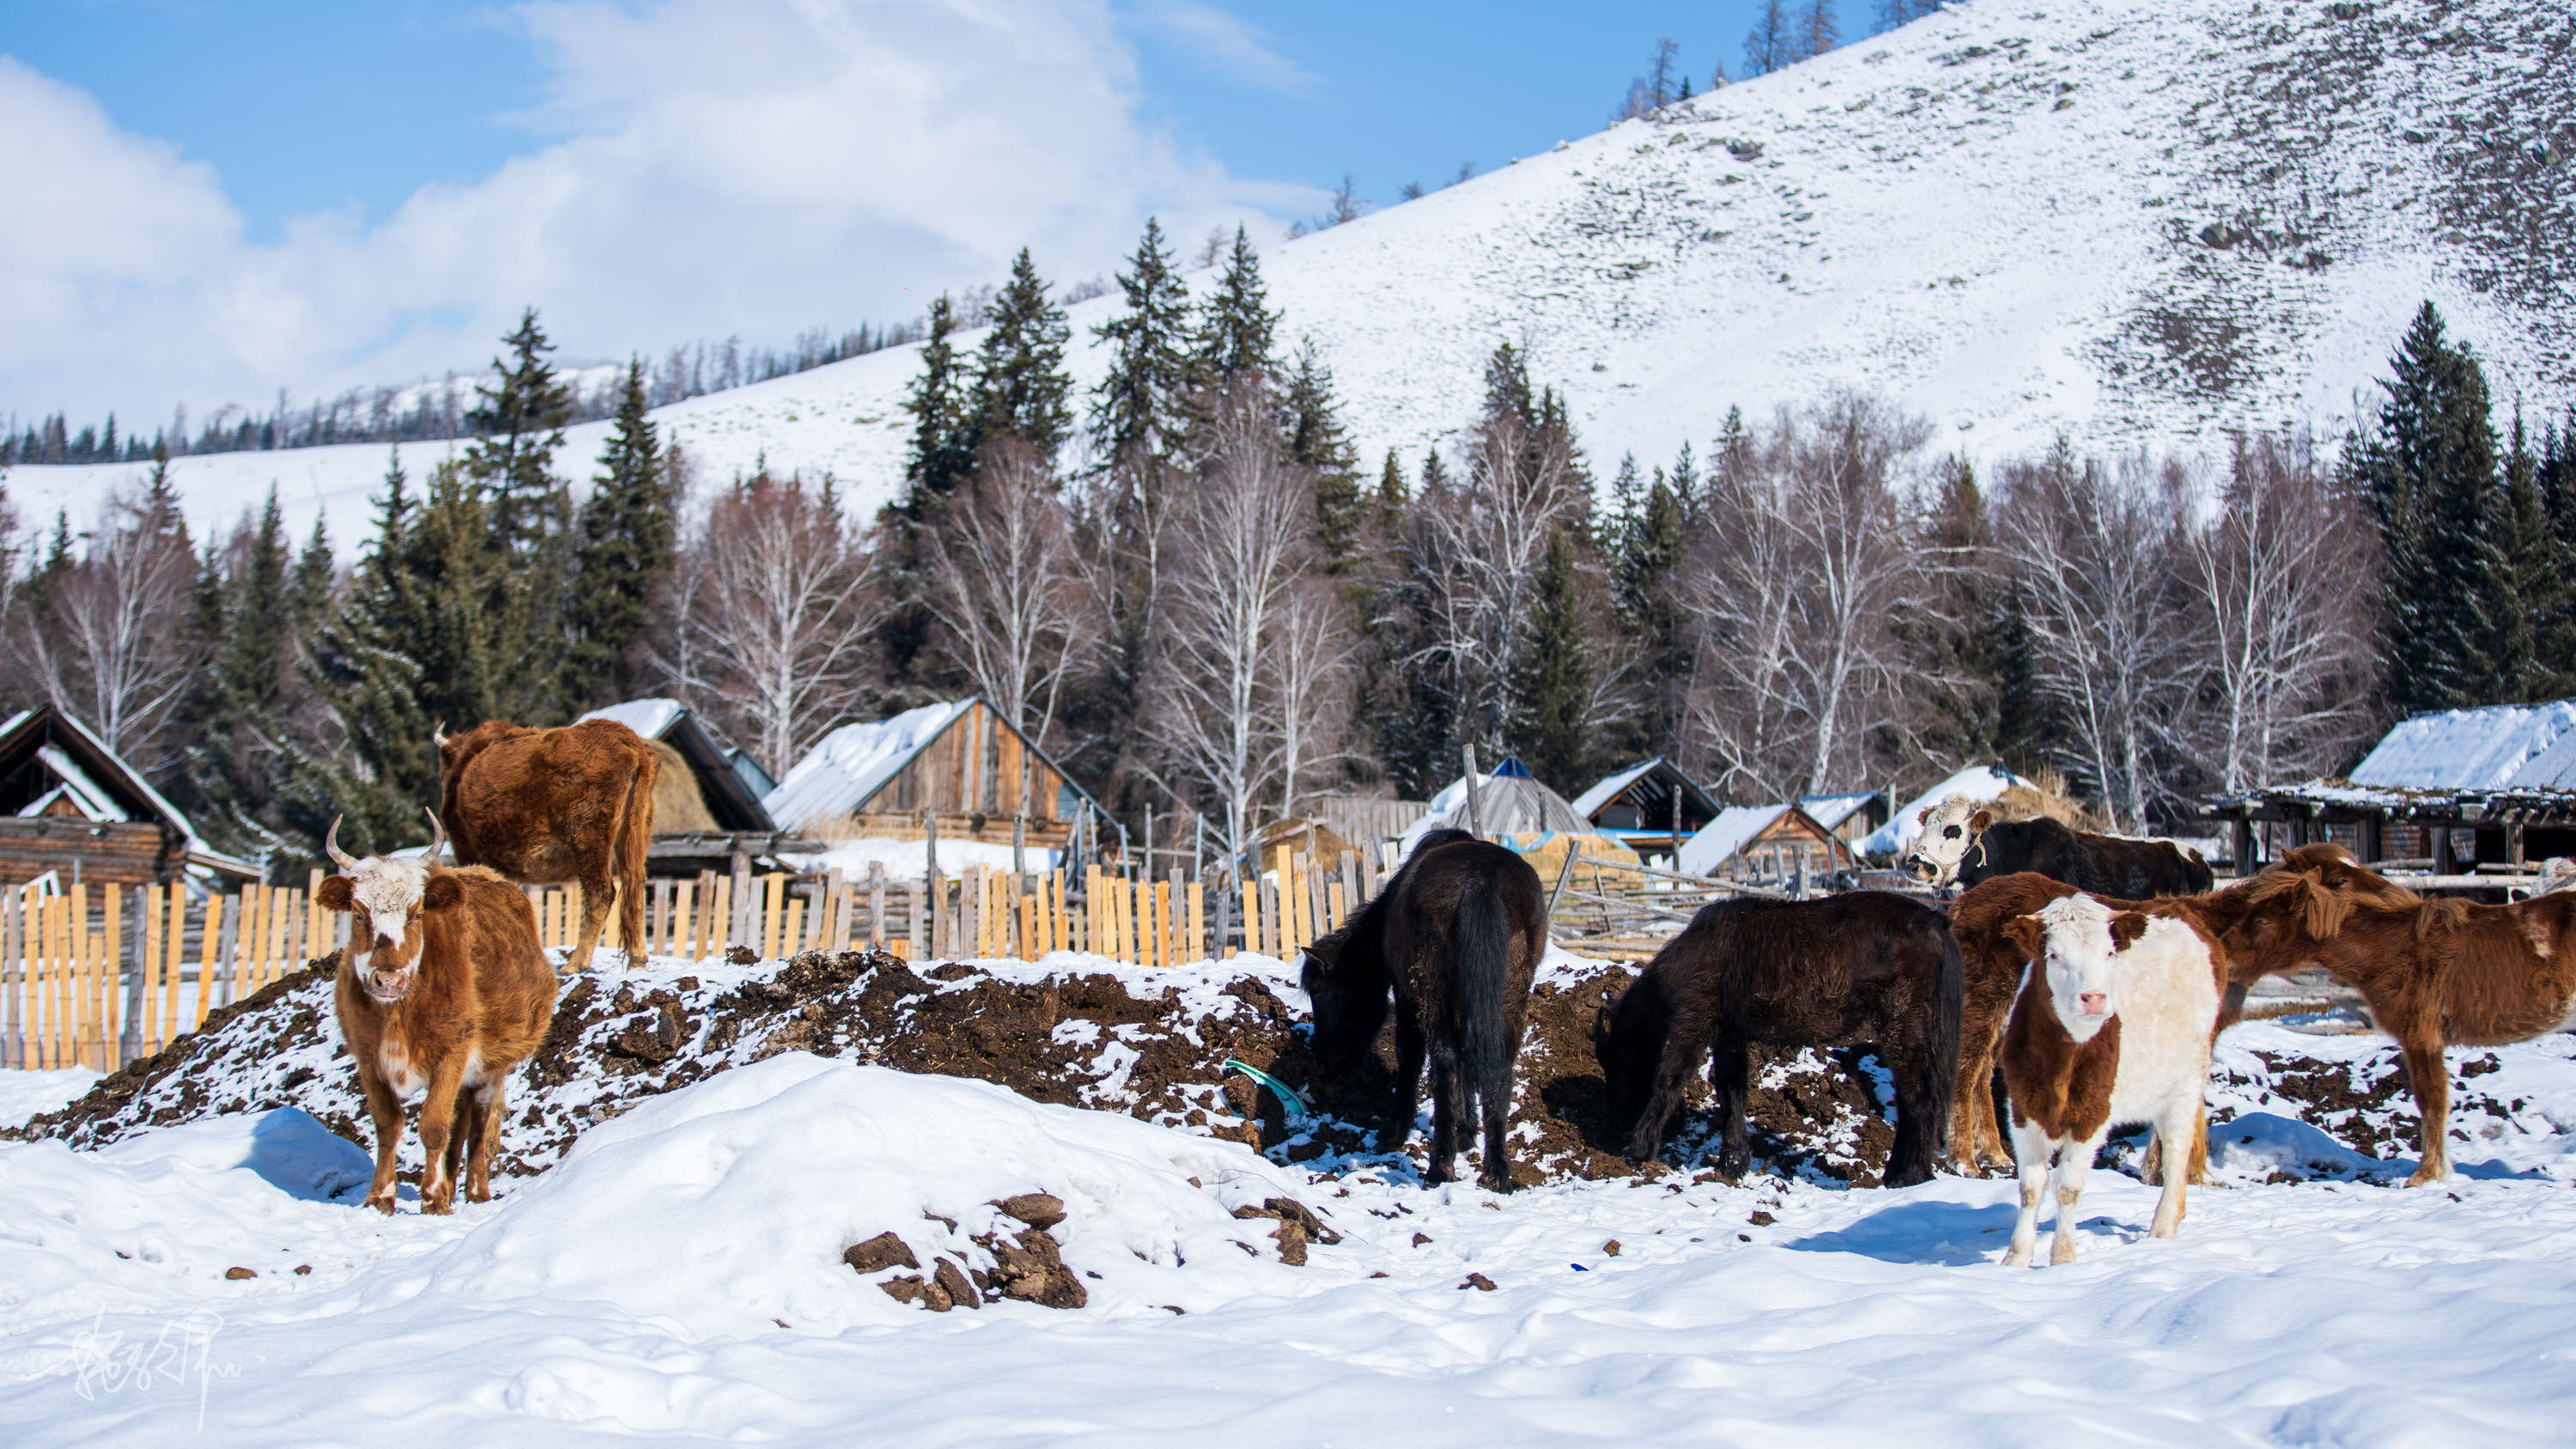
2092,974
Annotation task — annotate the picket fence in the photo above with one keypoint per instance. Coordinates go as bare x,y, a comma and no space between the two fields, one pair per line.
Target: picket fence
98,976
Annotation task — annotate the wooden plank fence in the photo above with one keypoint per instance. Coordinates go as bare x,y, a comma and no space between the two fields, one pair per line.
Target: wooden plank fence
98,976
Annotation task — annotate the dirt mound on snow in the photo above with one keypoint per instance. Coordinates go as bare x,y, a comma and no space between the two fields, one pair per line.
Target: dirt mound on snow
1151,1044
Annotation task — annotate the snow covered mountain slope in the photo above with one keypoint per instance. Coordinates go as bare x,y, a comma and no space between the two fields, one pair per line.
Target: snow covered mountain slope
2135,221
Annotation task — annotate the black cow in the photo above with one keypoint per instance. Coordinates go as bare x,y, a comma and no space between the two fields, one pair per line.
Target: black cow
1962,844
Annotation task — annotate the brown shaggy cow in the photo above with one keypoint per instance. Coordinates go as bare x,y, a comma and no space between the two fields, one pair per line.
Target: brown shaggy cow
442,988
2432,972
544,807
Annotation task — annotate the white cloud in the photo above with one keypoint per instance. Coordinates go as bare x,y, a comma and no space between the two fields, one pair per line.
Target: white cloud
716,166
1230,42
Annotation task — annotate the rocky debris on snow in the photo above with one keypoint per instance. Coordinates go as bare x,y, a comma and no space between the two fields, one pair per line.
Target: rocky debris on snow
1029,1266
1037,1209
885,1250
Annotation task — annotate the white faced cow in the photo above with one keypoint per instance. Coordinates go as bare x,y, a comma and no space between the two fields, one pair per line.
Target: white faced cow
2112,1026
442,990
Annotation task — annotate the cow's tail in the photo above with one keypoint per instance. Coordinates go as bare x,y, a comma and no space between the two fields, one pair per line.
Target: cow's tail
1949,1005
1481,954
632,842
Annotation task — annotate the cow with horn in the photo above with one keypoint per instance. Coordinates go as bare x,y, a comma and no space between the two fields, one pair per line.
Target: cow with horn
442,991
556,806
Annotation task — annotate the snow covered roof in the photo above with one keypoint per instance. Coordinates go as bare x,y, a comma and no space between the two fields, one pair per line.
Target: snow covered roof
847,767
651,718
1605,791
2468,749
1831,811
1720,840
1977,782
1505,805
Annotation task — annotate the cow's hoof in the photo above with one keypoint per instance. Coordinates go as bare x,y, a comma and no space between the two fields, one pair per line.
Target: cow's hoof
1734,1162
438,1206
2425,1177
382,1202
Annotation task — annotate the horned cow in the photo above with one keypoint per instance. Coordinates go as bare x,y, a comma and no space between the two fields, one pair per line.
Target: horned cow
547,807
442,989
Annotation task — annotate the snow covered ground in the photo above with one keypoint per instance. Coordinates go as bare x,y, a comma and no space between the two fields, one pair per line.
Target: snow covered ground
2136,222
678,1275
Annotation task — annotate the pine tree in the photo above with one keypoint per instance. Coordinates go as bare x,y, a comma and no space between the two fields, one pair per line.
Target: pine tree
510,466
1391,492
1435,474
943,441
629,543
1236,325
1966,720
1021,388
1138,410
2536,563
517,425
1310,422
244,617
2429,470
464,597
366,667
1552,683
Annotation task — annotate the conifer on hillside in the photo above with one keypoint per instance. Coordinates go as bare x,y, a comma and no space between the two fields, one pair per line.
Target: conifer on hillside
518,422
368,672
1549,723
1139,409
1236,326
2428,467
1310,423
1021,387
628,542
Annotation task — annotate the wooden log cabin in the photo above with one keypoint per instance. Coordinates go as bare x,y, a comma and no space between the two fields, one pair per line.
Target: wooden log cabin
960,762
70,806
1780,845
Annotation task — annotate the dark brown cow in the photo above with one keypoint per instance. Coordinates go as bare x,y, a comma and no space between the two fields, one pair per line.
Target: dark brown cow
547,807
441,988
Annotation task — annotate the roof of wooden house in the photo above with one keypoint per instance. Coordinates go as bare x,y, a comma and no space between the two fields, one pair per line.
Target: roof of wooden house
1739,828
728,802
2493,747
52,766
1648,788
1508,802
850,766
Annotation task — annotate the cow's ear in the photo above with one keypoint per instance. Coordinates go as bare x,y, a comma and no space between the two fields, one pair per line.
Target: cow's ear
1978,822
1923,816
333,893
2027,933
2126,928
442,892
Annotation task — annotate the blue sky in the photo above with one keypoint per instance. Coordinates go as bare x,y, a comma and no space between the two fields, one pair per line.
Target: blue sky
316,195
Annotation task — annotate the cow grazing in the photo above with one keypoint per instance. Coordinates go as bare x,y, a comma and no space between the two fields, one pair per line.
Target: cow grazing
547,807
2433,972
1865,969
1455,938
441,989
1963,843
2112,1025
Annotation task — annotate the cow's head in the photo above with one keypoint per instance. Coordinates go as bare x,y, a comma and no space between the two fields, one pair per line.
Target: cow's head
385,900
1950,830
2076,943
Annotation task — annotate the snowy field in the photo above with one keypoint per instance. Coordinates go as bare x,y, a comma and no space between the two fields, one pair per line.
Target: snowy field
679,1276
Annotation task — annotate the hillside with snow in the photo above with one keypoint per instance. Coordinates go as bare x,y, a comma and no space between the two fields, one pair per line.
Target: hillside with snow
2141,222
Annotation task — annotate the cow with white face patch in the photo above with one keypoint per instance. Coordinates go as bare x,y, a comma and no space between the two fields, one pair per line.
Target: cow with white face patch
2112,1027
1950,831
443,991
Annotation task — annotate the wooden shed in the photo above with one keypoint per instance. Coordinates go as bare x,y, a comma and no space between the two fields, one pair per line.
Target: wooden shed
69,805
1773,844
1651,806
959,762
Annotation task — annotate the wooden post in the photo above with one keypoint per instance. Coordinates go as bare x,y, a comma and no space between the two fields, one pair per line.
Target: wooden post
657,919
117,1018
174,955
1019,844
1024,895
148,1020
2241,844
836,921
795,925
684,937
773,886
1335,903
917,940
1166,893
1252,915
2446,858
1475,813
1198,924
1091,906
58,1001
2366,841
11,939
209,959
877,933
720,917
738,925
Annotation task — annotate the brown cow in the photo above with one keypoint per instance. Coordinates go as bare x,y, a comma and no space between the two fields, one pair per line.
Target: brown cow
442,987
2432,972
544,807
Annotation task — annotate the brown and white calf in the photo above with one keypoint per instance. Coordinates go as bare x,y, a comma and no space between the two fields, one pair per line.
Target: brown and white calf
2112,1026
442,990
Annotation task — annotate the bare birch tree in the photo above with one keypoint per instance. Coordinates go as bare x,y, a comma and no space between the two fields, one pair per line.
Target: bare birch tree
2116,651
781,613
1308,691
1239,541
2274,575
103,634
1796,588
1003,581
